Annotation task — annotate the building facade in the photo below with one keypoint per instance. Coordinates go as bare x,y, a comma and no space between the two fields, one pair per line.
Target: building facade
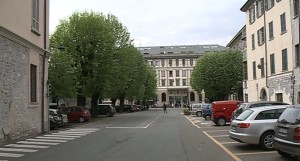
24,39
269,50
174,66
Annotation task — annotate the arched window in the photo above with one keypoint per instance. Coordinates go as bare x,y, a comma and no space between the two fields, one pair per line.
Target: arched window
192,96
163,97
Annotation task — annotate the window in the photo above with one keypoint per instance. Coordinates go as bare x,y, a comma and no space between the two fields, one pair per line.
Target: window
284,60
163,82
271,33
254,69
269,4
245,71
162,62
272,63
177,82
296,7
260,36
297,55
266,115
183,73
191,62
163,73
163,97
252,14
260,7
184,82
170,62
253,41
171,82
283,23
170,73
35,16
177,62
177,73
279,97
33,83
183,62
262,67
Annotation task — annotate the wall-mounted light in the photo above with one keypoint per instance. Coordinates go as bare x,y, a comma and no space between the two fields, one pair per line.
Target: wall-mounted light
258,66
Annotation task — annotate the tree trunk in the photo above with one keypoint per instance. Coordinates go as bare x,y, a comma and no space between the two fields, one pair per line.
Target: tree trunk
94,103
122,98
81,100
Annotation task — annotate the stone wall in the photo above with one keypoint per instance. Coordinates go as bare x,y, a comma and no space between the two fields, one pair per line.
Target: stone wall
281,83
15,114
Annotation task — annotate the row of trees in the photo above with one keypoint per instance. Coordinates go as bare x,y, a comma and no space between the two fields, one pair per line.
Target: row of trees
98,61
219,74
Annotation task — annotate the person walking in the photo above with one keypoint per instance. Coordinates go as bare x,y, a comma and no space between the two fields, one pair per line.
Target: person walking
165,108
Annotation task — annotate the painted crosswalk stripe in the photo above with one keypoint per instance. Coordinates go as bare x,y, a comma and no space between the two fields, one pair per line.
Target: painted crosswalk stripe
11,155
27,146
86,131
37,143
80,129
46,140
3,160
18,150
66,136
58,138
72,132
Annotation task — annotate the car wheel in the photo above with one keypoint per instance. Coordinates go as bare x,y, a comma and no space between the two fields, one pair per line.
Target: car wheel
199,114
221,121
266,140
108,114
81,119
207,117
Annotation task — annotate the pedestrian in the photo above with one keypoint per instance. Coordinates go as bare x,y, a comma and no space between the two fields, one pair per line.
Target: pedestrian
165,108
59,113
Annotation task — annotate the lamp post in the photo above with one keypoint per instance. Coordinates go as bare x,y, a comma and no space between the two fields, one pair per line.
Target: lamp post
203,95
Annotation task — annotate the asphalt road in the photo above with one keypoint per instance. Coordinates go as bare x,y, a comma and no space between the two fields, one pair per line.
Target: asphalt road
140,136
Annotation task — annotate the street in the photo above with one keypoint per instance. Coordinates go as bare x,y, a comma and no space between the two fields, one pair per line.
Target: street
140,136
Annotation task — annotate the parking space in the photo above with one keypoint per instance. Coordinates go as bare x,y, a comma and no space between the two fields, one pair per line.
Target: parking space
239,151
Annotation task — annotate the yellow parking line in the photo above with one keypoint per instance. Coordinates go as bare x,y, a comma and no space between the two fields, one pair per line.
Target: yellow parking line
230,142
218,136
266,152
223,147
192,122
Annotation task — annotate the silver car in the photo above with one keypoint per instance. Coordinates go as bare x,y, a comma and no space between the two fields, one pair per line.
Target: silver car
256,126
287,132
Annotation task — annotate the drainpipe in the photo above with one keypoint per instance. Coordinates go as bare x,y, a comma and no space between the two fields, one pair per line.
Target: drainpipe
266,56
44,67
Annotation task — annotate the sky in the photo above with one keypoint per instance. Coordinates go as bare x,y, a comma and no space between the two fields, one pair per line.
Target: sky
164,22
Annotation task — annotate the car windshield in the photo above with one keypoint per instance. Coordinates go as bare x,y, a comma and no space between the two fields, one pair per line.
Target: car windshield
290,115
243,116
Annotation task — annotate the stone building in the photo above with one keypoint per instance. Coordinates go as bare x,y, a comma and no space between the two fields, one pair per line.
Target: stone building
24,41
269,50
174,66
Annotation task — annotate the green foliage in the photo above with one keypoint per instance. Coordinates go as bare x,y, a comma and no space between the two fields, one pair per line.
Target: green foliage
186,111
218,73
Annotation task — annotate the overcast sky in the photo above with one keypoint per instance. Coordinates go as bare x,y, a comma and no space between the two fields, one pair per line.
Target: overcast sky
164,22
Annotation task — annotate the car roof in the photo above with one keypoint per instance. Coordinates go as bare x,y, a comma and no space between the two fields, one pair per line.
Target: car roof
257,102
227,102
265,108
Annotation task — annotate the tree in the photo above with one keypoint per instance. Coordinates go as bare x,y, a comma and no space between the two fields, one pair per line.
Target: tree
150,83
219,74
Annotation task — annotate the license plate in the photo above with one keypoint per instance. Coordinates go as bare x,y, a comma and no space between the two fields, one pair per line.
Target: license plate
282,130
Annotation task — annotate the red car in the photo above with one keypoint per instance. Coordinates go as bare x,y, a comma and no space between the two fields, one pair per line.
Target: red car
77,114
222,111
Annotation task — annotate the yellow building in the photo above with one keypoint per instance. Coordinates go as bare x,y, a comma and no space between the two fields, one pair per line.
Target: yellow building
24,44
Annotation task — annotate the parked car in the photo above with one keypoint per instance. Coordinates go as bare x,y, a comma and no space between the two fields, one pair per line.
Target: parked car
197,109
106,109
54,119
287,132
77,114
128,108
206,112
244,106
222,111
64,117
256,126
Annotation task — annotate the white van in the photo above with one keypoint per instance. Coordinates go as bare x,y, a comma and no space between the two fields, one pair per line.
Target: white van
196,109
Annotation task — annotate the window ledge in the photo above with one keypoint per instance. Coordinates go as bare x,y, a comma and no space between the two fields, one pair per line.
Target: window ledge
33,105
35,31
283,32
272,38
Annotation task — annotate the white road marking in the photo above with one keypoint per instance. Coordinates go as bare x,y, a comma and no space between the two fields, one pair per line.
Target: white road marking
46,140
84,129
26,146
66,136
17,150
137,127
216,130
69,134
37,143
218,136
58,138
11,155
192,122
230,142
254,153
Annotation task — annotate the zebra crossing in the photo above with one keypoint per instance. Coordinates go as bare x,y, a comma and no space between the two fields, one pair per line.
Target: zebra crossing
32,145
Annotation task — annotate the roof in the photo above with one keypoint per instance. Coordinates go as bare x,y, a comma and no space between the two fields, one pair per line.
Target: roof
257,102
180,49
228,102
247,5
264,108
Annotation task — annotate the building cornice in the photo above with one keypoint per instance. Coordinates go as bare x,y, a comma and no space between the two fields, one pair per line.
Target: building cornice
247,5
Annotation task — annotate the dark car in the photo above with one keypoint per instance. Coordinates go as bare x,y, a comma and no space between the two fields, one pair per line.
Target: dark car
244,106
287,132
77,114
55,120
128,108
206,112
105,109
